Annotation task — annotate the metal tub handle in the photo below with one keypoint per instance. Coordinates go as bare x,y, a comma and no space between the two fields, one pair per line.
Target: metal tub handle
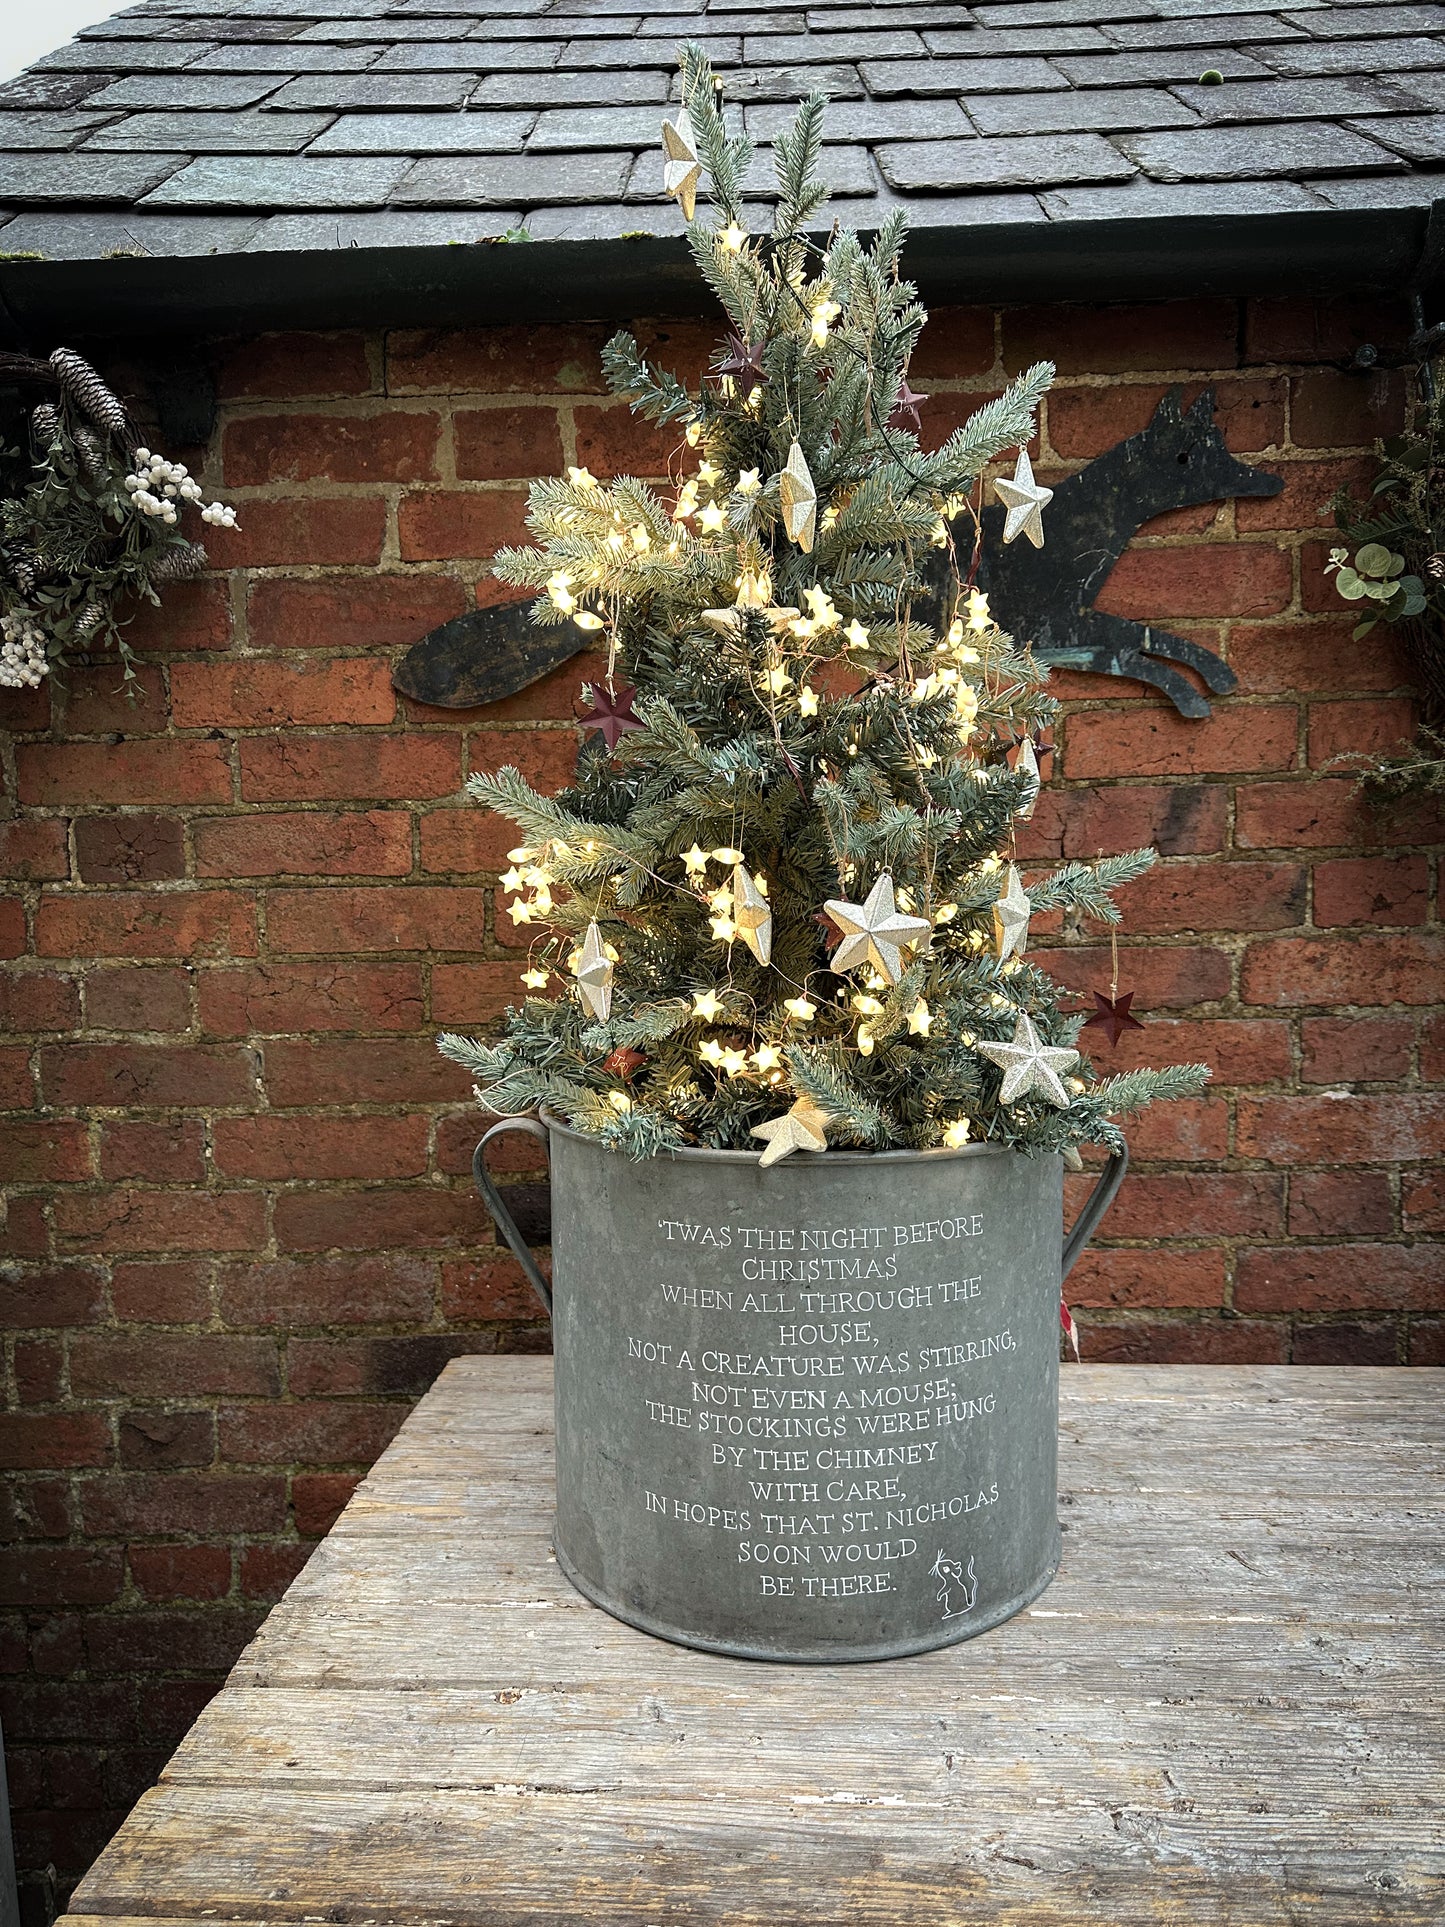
1100,1198
502,1217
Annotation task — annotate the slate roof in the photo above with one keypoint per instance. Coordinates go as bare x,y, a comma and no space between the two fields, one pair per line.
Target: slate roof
1049,131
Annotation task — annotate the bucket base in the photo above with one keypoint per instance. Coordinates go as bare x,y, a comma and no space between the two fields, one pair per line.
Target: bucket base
837,1656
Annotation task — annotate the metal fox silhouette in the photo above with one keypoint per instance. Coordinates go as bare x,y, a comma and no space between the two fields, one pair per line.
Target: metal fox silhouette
1045,596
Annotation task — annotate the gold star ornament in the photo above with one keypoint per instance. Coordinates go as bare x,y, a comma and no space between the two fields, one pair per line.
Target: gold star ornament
804,1128
1030,1066
1024,502
798,499
681,169
752,916
1011,917
875,932
593,971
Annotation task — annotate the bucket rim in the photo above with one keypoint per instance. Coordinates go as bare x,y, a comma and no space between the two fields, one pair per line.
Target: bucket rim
827,1160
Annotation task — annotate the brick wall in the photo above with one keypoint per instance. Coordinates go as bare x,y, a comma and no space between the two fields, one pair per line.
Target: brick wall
241,1237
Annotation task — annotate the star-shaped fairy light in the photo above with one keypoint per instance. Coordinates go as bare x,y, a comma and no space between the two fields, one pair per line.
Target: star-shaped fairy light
593,971
611,714
1113,1016
1011,917
905,409
1025,501
799,499
1029,1065
681,169
875,932
751,914
1026,763
803,1128
743,362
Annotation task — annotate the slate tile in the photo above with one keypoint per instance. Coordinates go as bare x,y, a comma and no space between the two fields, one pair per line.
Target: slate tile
570,130
506,180
209,133
1131,69
726,19
1244,30
951,210
186,90
890,79
122,56
989,43
552,28
926,167
317,9
724,50
1294,99
1106,110
425,134
609,221
387,228
388,29
259,182
574,90
55,131
1423,89
248,58
1352,56
845,18
837,81
377,90
87,180
1154,200
49,90
1256,153
874,120
1343,23
1419,137
257,31
1383,190
847,170
1064,13
77,236
477,56
808,49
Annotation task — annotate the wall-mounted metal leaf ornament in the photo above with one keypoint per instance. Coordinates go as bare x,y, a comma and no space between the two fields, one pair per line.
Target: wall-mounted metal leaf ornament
483,656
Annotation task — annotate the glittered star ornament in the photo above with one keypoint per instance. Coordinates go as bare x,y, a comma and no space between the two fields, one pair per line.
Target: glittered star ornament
681,169
798,499
593,971
743,362
875,932
1113,1016
611,714
1011,917
752,916
803,1128
1025,501
1026,763
1030,1066
905,409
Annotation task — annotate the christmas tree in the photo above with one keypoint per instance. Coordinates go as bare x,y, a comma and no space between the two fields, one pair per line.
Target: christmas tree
778,907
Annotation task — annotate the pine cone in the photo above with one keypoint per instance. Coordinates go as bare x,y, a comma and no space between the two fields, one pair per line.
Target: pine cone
179,563
87,622
1435,567
24,574
45,420
85,387
92,455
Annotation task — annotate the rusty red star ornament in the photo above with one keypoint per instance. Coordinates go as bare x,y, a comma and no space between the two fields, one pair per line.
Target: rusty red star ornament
623,1062
611,714
1112,1016
905,409
743,362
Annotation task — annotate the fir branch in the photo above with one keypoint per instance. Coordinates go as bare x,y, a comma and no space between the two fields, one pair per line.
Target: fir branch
1088,886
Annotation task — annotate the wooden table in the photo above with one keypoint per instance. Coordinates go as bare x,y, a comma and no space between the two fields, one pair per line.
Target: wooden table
1226,1709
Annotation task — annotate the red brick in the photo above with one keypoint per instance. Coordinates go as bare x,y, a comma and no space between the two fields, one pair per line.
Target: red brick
318,1147
1345,970
1345,1342
1341,1050
311,1433
546,757
1422,1204
191,1220
1389,890
613,441
1318,593
445,527
318,1499
1160,975
1180,1342
42,1509
159,1293
383,1070
37,1000
138,999
1190,1129
1308,814
465,842
684,346
1084,422
1239,738
457,1137
283,367
1331,328
33,849
45,1151
1377,1277
330,843
496,361
473,994
60,1575
1304,502
1306,654
134,923
505,444
275,998
483,1288
1380,726
350,612
1342,1129
1207,579
54,1295
12,927
181,1571
23,1231
194,615
1427,1341
58,1439
379,1220
1340,1204
109,1365
392,1289
1181,898
313,530
1119,339
957,343
148,1076
49,1710
39,1371
71,774
130,849
168,1642
944,412
1432,1049
172,1152
1330,409
254,692
1150,1278
349,769
98,700
395,445
162,1441
266,1571
345,921
1238,1050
